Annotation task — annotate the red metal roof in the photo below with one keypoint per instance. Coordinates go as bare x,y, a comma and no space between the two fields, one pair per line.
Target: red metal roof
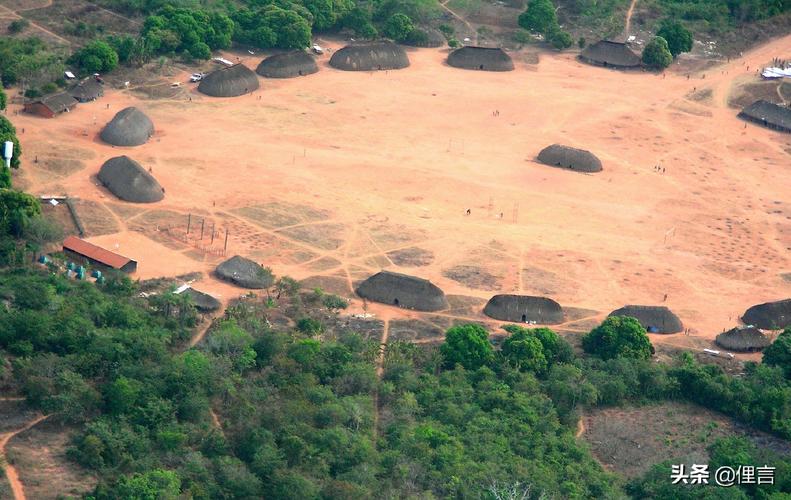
93,252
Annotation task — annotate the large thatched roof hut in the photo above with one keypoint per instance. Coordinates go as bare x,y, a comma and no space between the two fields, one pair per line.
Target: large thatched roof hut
87,90
203,302
769,315
655,319
481,58
232,81
425,37
774,116
524,309
402,290
370,56
743,339
129,181
51,105
129,127
288,65
611,54
575,159
245,273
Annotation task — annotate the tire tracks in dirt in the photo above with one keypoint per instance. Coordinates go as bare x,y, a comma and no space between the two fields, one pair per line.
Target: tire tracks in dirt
17,488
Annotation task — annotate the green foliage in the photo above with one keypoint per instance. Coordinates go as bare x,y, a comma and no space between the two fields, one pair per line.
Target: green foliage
15,208
157,484
334,302
539,16
559,39
616,337
779,353
95,57
28,61
657,54
359,21
188,31
467,345
3,99
274,26
534,349
123,45
18,25
581,43
398,27
677,36
8,133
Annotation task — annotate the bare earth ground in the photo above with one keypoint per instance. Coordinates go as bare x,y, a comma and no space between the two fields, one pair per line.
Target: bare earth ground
679,431
340,174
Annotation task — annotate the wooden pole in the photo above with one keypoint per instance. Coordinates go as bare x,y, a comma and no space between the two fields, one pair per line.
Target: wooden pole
212,233
226,242
202,222
189,221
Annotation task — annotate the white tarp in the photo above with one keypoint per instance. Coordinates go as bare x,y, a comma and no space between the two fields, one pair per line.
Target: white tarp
775,72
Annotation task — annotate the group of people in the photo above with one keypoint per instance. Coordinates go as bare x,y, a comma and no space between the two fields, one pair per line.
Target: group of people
659,168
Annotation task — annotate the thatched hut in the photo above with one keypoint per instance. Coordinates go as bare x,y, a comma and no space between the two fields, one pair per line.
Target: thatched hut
655,319
426,38
743,339
129,127
402,290
611,55
288,65
769,315
579,160
203,302
774,116
87,90
481,58
524,309
129,181
52,105
370,56
232,81
245,273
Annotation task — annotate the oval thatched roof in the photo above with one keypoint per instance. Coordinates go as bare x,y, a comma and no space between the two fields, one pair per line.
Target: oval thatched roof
370,56
612,54
245,273
425,37
404,291
288,65
481,58
768,114
232,81
524,308
769,315
126,179
579,160
655,319
129,127
203,301
743,339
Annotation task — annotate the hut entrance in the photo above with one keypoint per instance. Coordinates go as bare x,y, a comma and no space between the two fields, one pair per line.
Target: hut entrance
480,67
395,302
300,72
524,318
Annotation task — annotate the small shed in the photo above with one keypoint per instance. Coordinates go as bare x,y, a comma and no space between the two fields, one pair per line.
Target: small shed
89,253
50,106
87,90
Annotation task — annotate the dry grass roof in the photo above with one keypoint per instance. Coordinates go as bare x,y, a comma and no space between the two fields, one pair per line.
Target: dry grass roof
370,56
655,319
129,127
524,308
288,65
481,58
768,114
232,81
579,160
769,315
609,53
129,181
402,290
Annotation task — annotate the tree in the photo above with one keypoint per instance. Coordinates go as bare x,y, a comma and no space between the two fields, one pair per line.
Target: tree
123,45
358,20
8,133
524,351
18,25
3,99
779,353
38,231
96,57
15,207
678,37
398,27
558,38
540,16
618,337
155,484
656,54
467,345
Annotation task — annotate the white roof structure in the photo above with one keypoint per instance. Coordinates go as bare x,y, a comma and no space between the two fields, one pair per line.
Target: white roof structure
775,72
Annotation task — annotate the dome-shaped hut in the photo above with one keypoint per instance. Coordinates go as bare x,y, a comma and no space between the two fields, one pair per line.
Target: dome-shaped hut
426,38
768,114
245,273
611,54
129,127
370,56
524,309
288,65
232,81
402,290
655,319
769,315
480,58
743,339
575,159
129,181
203,302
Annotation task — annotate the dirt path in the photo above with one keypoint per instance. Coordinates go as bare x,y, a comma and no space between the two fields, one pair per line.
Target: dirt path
37,26
580,427
628,24
473,32
10,471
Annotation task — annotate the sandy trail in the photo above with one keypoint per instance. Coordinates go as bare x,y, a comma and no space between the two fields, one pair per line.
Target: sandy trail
37,26
353,168
580,427
11,473
628,23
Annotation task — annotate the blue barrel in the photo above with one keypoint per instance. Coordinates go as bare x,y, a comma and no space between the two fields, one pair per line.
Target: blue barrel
43,259
80,273
70,266
96,274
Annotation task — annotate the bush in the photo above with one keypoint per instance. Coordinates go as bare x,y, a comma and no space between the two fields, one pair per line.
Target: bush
656,54
398,27
679,38
18,25
559,39
539,16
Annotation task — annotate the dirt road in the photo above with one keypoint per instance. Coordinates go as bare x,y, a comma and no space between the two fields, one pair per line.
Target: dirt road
10,472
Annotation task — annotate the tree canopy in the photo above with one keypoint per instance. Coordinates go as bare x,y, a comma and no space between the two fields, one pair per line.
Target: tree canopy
656,54
677,36
779,352
467,345
617,337
95,57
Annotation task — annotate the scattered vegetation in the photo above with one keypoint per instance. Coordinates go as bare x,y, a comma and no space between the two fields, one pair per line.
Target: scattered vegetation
656,54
